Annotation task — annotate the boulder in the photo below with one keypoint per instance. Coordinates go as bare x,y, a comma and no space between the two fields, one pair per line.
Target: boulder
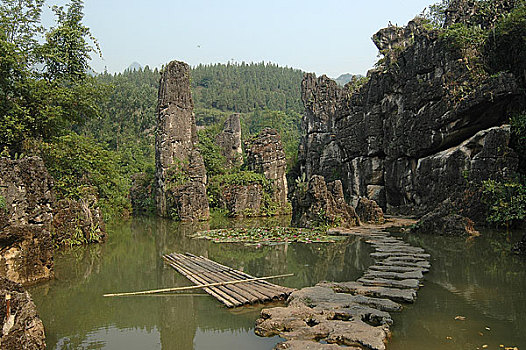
142,193
26,214
180,170
445,221
242,200
368,211
20,326
319,204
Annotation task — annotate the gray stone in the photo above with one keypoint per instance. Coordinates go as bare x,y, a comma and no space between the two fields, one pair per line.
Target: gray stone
383,282
229,141
180,170
371,274
395,294
26,245
398,254
368,211
397,268
319,204
265,155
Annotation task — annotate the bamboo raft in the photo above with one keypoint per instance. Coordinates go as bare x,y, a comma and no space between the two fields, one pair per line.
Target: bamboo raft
231,287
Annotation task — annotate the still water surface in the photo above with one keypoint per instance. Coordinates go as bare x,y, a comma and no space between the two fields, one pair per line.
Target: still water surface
475,279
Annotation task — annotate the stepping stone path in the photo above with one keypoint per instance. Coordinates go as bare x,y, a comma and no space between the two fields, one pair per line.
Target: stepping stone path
355,314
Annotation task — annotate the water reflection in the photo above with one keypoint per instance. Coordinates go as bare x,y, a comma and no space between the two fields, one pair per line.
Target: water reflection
76,316
478,279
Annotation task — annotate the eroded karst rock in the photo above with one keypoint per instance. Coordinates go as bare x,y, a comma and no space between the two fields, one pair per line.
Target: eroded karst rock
77,222
422,125
142,193
316,203
445,221
180,170
265,156
242,200
26,214
229,140
20,326
368,211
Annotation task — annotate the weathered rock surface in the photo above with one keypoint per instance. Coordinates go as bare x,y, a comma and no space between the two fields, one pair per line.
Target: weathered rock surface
142,193
20,326
77,221
370,212
180,170
396,294
229,140
445,221
242,200
265,155
26,215
420,125
318,204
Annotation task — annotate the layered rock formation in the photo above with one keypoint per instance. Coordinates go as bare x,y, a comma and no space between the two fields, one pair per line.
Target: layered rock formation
26,214
20,326
229,140
180,170
265,155
368,211
319,204
243,200
422,125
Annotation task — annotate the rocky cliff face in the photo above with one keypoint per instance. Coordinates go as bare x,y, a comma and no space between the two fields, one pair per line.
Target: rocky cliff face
265,155
20,326
229,140
421,126
180,170
26,214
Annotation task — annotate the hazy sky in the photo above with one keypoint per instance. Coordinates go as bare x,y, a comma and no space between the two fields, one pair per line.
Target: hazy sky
325,36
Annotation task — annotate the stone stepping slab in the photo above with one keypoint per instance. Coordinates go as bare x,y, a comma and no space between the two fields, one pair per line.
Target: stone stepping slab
310,345
394,275
387,268
383,248
382,282
422,264
395,259
400,255
395,294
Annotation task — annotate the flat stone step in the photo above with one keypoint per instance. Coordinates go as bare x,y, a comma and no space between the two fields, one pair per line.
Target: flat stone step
400,255
423,264
395,294
398,248
404,259
394,275
387,268
382,282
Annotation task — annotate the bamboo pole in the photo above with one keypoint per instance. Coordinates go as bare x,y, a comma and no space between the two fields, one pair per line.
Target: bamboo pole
165,290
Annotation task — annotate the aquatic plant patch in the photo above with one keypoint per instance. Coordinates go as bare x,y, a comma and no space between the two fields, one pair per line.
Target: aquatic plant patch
267,235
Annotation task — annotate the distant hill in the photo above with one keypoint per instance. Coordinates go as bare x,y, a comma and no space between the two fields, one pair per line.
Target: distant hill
344,78
134,66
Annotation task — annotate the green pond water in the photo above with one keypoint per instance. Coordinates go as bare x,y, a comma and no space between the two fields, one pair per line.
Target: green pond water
475,279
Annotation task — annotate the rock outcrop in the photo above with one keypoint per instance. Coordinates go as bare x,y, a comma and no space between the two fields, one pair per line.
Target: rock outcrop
265,156
370,212
319,204
243,200
20,326
423,124
180,170
229,141
78,222
445,221
142,193
26,214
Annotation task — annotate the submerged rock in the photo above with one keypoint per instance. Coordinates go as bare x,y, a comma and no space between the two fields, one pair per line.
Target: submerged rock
180,170
318,204
26,214
20,326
